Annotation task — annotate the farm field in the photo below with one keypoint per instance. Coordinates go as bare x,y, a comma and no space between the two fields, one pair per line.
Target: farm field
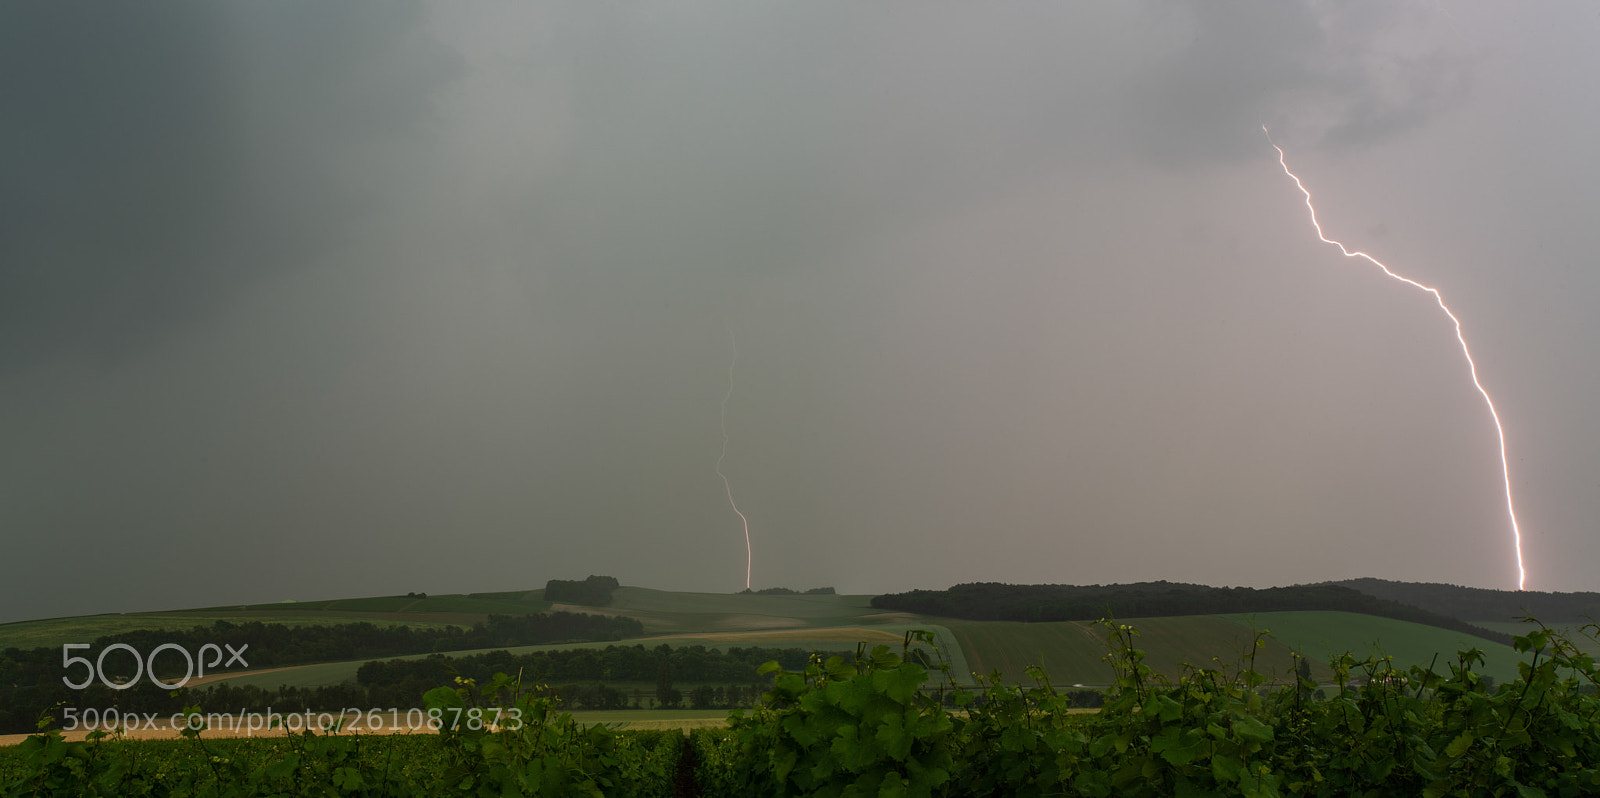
1324,635
721,621
673,613
511,601
1071,652
822,639
432,611
1586,642
53,632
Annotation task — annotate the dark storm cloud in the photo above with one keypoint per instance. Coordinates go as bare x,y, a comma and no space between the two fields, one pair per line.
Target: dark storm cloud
1326,72
319,300
158,159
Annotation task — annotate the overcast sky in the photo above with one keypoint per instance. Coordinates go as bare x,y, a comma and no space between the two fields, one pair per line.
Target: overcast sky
306,300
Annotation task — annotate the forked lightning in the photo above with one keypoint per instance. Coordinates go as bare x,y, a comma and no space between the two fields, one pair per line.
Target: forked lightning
1505,467
722,422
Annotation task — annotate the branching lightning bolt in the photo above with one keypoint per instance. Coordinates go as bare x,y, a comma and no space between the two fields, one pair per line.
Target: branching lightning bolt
1505,467
722,422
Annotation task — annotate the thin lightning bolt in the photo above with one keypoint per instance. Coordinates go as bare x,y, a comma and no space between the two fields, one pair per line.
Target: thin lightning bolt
722,422
1505,467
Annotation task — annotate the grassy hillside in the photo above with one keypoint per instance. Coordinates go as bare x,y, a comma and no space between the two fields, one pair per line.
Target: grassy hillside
431,611
668,612
505,603
53,632
1586,641
1072,652
1476,602
713,620
1324,635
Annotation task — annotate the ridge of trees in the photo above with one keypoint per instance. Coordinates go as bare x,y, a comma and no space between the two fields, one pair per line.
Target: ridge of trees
1481,604
994,601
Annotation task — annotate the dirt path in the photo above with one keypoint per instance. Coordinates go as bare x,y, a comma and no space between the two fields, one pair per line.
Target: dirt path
217,677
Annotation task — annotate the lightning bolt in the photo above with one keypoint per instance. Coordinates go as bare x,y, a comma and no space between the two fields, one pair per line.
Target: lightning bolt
722,422
1505,467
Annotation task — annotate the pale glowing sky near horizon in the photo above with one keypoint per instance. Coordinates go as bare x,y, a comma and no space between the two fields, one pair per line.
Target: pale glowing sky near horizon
308,301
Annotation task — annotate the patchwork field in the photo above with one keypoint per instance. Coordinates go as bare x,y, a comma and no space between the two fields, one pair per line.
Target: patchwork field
1071,652
820,639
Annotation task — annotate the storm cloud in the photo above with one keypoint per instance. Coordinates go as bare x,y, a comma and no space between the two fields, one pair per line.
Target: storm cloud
308,300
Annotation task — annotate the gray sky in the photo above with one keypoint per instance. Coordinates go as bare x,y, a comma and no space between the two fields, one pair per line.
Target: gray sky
306,300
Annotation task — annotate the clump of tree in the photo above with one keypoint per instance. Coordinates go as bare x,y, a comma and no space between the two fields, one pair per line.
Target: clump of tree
820,591
667,696
593,592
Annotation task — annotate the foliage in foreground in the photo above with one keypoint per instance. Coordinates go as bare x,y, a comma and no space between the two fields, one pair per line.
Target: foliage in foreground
865,728
873,726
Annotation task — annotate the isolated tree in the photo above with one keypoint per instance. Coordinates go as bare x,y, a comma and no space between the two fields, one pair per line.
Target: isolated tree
702,697
666,695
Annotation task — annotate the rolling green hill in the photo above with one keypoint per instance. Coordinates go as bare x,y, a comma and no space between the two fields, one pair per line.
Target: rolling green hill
1070,651
1481,603
714,620
429,611
1323,635
1585,640
818,640
53,632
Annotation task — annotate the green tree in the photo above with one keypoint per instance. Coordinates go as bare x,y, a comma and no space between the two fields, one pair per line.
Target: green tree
666,695
703,697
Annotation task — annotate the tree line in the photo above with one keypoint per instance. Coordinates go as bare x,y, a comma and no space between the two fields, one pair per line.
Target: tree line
1482,604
